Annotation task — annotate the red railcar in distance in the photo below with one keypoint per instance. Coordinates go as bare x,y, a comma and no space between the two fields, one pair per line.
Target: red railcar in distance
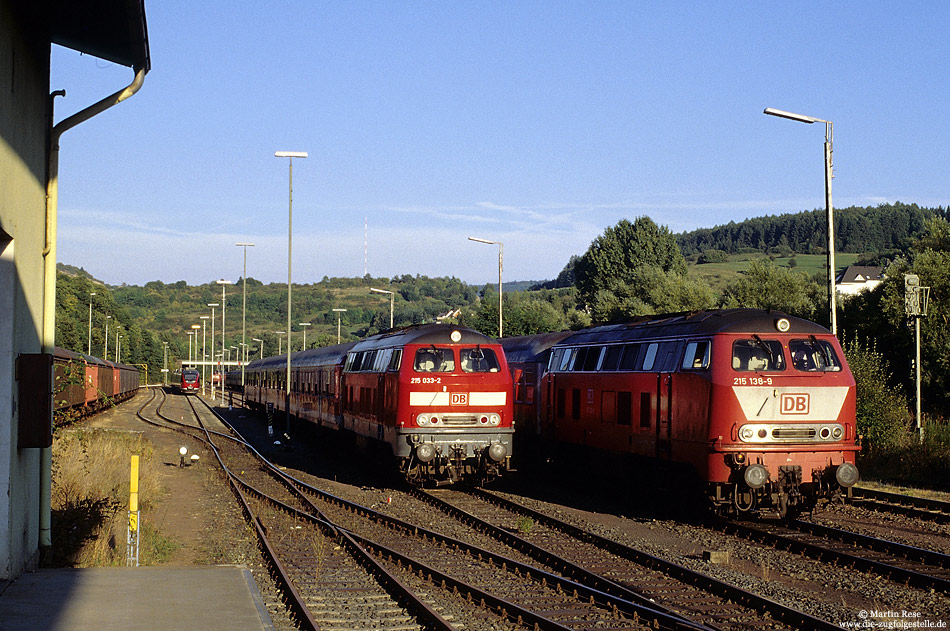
190,380
758,406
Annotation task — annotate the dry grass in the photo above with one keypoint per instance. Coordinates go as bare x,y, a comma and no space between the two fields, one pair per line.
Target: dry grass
90,495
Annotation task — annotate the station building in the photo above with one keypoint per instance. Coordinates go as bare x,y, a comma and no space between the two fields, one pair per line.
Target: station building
113,30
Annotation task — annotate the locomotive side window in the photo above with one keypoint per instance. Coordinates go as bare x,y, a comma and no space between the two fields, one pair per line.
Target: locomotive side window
757,355
814,355
696,356
478,360
650,357
395,360
611,358
630,354
561,359
434,359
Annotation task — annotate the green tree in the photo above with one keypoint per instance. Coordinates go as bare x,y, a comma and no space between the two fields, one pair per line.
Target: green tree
766,286
613,259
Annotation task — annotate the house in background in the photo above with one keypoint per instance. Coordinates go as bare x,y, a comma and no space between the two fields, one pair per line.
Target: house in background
857,278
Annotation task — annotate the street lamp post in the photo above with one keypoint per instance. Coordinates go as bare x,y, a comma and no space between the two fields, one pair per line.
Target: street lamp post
89,346
204,350
105,350
117,327
195,328
304,325
290,233
501,256
392,296
280,341
339,315
118,350
165,362
829,138
190,333
212,305
224,284
254,339
244,307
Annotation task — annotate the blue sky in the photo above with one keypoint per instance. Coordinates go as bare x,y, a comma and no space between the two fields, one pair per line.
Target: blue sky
538,124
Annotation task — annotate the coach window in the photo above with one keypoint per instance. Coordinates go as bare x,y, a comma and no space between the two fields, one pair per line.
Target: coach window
813,355
434,359
575,404
757,355
696,356
478,359
624,408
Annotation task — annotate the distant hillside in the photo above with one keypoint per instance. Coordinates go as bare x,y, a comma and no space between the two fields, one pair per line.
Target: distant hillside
873,229
72,270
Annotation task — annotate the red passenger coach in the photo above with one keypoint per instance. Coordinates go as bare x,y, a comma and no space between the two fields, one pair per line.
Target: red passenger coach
439,396
760,406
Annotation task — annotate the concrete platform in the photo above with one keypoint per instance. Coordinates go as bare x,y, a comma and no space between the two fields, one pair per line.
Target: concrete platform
210,598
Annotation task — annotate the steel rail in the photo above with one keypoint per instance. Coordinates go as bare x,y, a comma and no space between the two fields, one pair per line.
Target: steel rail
749,599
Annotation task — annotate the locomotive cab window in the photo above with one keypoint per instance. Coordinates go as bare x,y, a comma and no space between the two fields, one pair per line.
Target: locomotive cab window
478,359
757,355
434,359
813,355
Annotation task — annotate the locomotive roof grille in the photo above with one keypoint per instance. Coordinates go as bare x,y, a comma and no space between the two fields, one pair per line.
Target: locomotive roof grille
747,321
419,334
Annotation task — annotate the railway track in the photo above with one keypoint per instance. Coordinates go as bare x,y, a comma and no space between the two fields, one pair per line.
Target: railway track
304,530
326,580
898,562
575,551
917,507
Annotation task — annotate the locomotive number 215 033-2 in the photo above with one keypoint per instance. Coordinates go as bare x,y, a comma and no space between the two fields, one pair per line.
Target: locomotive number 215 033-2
425,380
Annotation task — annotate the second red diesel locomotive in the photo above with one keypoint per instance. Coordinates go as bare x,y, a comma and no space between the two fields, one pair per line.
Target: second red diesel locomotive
759,406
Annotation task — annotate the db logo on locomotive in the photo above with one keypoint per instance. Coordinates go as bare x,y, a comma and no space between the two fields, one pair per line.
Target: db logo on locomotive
795,403
458,398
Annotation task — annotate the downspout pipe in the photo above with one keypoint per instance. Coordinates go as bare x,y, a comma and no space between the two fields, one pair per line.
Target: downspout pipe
49,273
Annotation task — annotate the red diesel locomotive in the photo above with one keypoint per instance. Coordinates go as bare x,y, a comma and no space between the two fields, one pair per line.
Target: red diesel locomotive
437,395
759,406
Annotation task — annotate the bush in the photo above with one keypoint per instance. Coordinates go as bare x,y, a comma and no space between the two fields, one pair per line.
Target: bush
882,413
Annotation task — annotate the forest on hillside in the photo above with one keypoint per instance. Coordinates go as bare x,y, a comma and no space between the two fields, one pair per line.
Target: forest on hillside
882,229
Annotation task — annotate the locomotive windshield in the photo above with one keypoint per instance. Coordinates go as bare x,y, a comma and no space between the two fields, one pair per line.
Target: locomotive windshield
433,359
813,355
478,360
757,355
190,375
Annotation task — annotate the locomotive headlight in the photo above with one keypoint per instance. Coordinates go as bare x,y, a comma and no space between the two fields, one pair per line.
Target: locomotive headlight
756,475
424,419
847,475
782,324
746,433
497,452
836,433
425,452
